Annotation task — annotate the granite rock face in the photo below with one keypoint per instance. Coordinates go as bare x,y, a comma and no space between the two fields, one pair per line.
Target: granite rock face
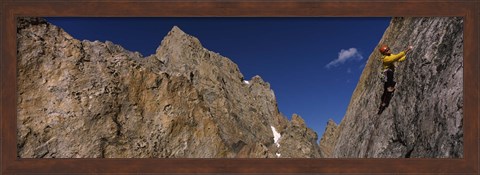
83,99
291,146
329,138
425,115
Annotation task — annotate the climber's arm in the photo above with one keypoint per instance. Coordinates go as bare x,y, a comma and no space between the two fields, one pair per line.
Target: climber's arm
403,58
392,58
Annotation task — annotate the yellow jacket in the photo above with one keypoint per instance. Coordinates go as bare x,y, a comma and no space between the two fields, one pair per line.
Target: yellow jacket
388,60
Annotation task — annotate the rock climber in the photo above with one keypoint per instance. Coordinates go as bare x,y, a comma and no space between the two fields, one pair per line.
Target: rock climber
388,59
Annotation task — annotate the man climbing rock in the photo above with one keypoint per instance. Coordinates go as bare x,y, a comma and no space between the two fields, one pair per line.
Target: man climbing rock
388,59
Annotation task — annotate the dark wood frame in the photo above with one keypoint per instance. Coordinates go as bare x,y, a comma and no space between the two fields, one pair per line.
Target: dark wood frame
11,9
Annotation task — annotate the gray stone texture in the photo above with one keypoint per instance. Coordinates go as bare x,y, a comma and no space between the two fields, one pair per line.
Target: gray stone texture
425,116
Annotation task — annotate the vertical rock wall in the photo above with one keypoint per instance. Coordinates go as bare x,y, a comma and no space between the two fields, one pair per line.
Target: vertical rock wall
425,116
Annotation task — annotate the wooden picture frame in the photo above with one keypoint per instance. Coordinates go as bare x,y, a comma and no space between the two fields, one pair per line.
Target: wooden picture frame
11,9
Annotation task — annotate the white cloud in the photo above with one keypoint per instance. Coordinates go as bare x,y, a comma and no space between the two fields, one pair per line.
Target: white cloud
345,55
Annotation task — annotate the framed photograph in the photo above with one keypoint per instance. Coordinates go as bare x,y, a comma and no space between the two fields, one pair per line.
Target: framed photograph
70,105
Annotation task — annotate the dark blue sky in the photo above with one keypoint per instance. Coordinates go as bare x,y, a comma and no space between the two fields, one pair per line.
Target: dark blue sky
312,64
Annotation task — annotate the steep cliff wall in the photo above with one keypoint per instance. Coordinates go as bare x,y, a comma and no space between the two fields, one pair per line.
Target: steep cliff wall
425,116
93,99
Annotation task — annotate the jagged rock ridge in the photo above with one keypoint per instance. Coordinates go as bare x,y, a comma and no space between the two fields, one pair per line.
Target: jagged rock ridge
83,99
329,138
425,117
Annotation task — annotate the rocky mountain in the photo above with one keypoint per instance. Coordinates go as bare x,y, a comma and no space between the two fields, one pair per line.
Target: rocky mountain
425,115
83,99
329,138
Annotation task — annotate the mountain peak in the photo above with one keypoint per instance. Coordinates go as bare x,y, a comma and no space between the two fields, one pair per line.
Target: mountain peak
331,122
176,30
177,38
298,121
327,142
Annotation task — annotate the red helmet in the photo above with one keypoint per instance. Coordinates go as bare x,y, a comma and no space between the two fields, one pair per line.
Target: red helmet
384,49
